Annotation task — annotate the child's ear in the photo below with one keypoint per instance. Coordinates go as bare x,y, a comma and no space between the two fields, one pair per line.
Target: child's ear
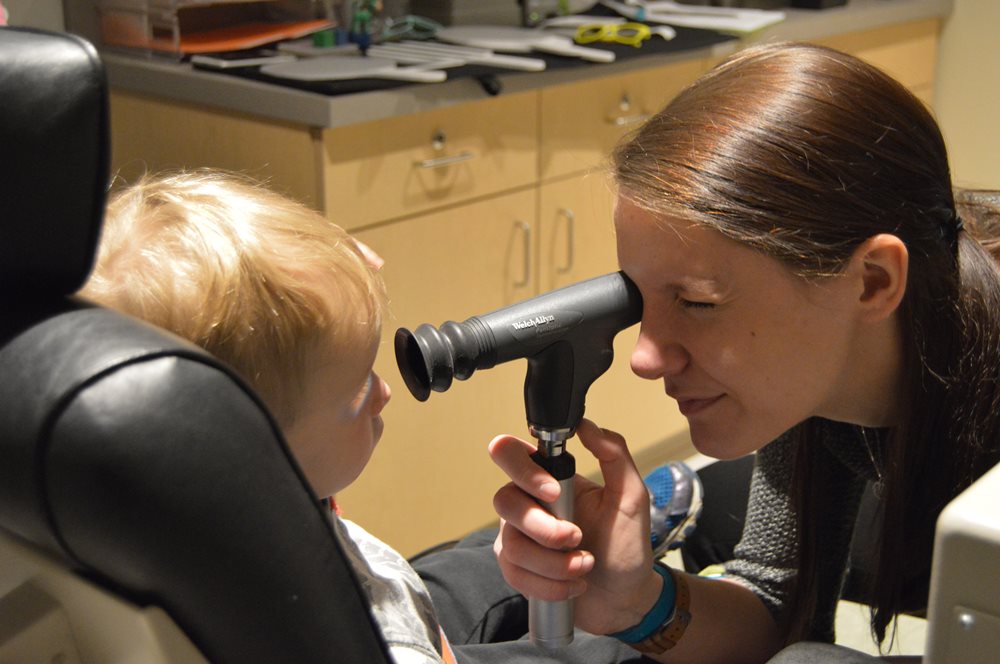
880,263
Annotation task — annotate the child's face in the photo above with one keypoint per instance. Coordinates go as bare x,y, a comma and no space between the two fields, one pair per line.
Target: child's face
338,425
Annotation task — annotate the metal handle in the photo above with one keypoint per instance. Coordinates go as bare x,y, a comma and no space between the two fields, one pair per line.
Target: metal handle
625,105
438,162
570,240
550,624
623,120
526,271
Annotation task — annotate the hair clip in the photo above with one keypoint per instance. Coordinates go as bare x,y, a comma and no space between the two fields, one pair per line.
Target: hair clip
950,229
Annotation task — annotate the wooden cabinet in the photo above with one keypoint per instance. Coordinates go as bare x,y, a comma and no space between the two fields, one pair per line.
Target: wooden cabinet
577,229
581,122
383,170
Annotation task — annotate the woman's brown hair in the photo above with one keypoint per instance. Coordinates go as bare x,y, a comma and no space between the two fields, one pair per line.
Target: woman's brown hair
803,153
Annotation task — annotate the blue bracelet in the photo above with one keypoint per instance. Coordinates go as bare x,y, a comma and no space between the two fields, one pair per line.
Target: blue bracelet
657,615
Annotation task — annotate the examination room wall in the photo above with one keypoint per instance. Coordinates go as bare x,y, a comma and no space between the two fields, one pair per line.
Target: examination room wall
968,92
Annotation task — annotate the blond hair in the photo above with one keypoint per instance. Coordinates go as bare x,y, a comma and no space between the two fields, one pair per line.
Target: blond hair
264,283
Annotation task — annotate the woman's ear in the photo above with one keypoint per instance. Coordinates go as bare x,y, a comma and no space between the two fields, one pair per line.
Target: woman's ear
881,262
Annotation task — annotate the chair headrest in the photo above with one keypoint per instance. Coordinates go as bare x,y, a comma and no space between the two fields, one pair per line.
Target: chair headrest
151,469
53,164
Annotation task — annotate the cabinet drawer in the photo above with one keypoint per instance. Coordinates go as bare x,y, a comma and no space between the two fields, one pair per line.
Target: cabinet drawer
581,122
907,52
576,229
403,166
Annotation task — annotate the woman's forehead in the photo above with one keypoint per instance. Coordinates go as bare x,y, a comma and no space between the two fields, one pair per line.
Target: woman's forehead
679,249
682,254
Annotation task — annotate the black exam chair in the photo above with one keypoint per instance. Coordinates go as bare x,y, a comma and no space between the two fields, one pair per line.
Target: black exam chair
149,508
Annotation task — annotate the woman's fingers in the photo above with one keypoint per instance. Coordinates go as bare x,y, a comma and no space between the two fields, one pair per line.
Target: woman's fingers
538,571
525,514
513,455
621,477
535,549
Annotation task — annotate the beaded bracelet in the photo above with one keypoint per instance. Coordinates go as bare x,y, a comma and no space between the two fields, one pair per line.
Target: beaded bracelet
664,624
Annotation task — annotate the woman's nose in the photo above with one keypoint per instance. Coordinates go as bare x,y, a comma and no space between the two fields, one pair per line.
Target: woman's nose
653,358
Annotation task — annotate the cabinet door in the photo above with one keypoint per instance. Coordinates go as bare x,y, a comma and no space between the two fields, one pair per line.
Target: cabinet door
576,229
582,121
431,478
411,164
578,242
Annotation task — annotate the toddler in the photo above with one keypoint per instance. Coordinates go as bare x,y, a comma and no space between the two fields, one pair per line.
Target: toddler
294,305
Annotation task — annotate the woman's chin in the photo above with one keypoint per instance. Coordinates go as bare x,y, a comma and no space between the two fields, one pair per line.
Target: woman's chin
719,447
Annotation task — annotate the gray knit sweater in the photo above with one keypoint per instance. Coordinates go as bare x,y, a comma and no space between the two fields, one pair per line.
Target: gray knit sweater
764,560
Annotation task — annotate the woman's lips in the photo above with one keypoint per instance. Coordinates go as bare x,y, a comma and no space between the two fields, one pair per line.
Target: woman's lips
691,407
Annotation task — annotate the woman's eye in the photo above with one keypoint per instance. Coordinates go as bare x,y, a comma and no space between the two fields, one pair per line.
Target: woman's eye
689,304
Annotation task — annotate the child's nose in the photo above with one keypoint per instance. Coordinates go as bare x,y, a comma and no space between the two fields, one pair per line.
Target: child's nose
384,393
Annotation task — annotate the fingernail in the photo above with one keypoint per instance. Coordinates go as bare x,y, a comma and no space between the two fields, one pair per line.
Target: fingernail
586,562
549,491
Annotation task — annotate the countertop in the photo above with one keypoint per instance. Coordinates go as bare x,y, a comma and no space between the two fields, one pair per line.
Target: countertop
180,82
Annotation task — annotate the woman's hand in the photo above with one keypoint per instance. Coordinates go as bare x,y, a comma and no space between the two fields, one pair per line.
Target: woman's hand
604,560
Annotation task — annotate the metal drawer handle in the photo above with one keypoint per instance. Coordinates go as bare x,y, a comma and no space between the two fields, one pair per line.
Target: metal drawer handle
625,105
526,271
623,120
570,242
439,162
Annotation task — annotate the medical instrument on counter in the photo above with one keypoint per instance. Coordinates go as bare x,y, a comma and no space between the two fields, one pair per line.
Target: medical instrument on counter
239,59
567,337
410,26
344,67
405,56
414,51
520,40
363,14
535,11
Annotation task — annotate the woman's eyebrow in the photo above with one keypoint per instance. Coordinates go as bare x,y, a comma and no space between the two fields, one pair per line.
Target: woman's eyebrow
700,285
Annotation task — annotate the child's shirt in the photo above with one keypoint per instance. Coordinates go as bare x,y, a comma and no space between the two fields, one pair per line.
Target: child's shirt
398,598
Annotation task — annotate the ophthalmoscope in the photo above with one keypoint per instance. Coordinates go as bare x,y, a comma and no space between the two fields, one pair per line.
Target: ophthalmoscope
567,337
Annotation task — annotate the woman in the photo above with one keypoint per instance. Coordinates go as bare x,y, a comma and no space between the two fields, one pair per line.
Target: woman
810,293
